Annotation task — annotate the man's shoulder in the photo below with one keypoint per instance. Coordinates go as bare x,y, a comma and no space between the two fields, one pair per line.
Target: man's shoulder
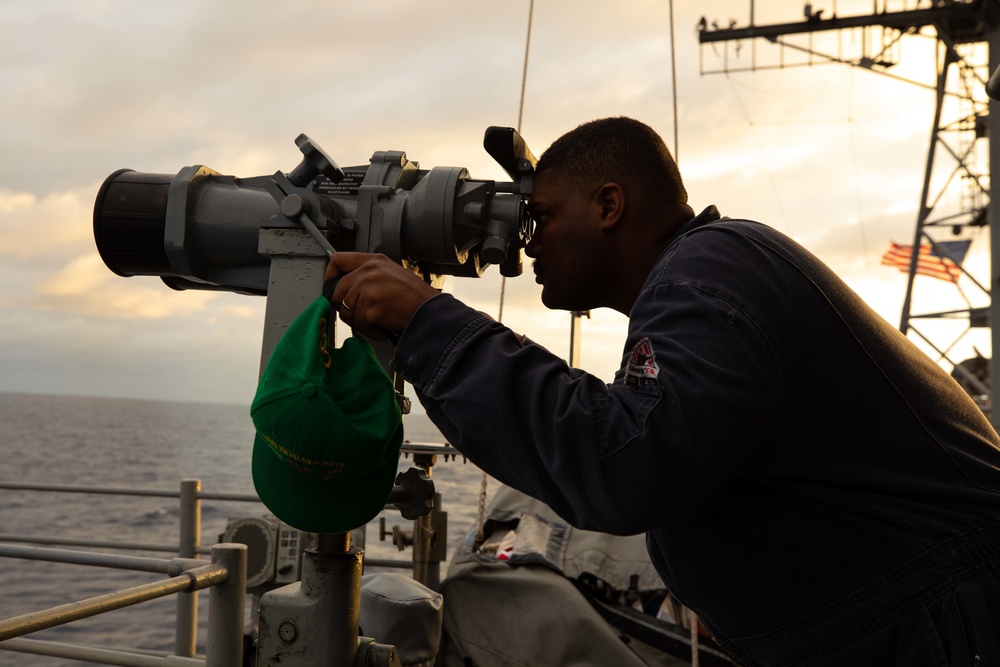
711,243
740,261
726,227
721,238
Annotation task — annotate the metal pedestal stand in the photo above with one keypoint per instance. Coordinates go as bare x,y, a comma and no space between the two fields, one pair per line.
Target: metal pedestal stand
315,622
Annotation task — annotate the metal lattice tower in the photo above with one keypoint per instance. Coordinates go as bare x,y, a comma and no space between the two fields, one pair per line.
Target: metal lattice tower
956,188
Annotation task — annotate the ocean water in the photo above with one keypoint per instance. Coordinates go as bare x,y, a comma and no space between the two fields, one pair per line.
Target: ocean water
149,445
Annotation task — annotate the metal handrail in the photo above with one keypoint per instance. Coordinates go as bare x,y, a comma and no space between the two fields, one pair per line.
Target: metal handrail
228,592
195,495
100,544
122,491
225,625
182,580
172,566
191,580
99,654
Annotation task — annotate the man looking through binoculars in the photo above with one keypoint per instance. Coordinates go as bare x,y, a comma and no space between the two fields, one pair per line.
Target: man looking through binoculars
810,483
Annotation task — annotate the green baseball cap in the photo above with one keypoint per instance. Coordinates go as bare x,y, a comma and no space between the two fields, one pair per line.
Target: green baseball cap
329,428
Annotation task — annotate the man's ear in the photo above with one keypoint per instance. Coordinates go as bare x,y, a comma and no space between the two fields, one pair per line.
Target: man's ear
610,200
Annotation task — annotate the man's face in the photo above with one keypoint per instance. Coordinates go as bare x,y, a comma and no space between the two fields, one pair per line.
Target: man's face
564,244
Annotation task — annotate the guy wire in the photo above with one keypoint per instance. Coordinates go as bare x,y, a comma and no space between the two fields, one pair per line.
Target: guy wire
503,279
673,79
520,117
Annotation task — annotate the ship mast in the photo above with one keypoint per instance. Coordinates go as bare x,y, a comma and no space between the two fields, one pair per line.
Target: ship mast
961,29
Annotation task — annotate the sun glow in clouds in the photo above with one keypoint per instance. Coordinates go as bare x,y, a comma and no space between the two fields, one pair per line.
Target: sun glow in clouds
810,151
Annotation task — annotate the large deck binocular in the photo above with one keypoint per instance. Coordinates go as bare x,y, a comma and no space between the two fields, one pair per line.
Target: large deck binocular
200,229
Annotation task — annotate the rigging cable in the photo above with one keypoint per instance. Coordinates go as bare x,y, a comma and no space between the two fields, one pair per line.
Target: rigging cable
503,279
520,117
673,79
760,151
854,159
524,72
692,619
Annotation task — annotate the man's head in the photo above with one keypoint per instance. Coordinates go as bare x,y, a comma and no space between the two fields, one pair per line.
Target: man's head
617,150
605,198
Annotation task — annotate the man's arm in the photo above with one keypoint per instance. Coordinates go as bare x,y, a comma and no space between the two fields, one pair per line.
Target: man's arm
619,458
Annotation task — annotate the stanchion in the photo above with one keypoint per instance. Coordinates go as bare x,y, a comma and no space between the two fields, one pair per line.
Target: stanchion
314,622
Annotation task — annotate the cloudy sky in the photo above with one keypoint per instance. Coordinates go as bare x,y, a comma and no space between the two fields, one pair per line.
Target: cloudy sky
831,155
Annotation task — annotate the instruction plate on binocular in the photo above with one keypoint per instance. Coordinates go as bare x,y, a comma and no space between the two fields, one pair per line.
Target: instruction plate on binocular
348,187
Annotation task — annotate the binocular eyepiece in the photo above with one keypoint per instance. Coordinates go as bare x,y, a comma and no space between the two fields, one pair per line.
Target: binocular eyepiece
200,229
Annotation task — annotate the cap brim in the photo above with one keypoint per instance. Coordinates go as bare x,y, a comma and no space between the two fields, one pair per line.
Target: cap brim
322,506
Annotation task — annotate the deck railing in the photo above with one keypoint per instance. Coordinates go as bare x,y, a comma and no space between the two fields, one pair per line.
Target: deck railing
225,575
187,575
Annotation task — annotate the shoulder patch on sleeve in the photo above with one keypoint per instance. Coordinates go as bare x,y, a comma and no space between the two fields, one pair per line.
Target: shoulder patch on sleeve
642,367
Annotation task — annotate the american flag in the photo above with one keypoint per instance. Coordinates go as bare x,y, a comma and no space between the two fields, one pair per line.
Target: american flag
929,263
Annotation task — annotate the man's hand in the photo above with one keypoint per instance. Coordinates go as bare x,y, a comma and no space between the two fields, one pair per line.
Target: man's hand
375,295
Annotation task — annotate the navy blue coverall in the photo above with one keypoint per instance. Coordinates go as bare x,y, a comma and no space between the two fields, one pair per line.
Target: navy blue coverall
815,487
